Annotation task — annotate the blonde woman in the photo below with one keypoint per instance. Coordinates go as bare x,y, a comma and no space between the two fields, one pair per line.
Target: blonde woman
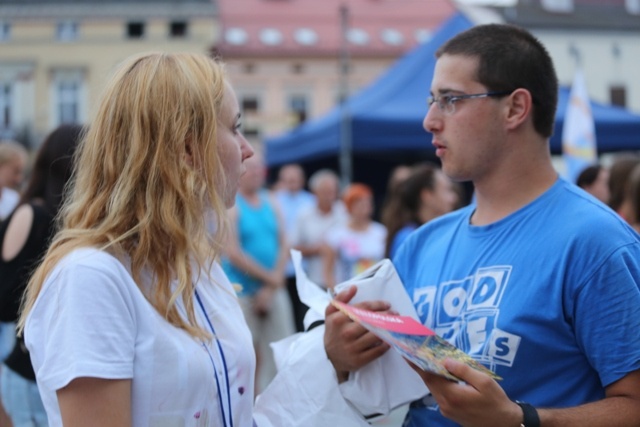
129,319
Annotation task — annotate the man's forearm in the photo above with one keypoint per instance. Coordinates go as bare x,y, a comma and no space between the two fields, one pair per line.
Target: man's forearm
617,411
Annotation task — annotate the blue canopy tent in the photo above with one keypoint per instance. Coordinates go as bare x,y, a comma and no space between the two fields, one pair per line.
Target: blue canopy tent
386,118
617,129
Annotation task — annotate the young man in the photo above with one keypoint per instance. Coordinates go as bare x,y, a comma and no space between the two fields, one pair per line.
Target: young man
534,280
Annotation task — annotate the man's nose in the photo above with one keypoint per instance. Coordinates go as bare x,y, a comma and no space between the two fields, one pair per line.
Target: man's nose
432,120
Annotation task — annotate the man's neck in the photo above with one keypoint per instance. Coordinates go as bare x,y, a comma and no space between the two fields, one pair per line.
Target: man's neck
502,194
324,209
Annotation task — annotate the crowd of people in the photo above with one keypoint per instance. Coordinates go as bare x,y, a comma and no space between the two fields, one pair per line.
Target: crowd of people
334,230
24,236
616,185
145,263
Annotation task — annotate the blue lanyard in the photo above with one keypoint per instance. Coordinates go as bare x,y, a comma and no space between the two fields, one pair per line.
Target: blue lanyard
215,371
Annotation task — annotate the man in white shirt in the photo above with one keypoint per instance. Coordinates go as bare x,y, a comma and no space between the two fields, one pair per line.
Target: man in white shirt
292,199
315,222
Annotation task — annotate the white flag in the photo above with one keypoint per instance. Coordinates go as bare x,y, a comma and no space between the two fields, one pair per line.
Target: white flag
578,133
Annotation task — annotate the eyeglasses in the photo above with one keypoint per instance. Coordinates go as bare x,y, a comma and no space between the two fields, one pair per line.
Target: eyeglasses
447,103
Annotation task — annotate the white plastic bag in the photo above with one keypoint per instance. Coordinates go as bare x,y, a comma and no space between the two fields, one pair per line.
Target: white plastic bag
305,392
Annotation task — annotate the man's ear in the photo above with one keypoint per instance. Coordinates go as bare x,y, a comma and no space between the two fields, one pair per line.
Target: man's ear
520,106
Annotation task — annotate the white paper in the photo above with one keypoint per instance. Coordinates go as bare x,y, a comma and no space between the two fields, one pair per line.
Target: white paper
386,286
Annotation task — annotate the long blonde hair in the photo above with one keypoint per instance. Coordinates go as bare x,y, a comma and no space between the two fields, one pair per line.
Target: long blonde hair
134,193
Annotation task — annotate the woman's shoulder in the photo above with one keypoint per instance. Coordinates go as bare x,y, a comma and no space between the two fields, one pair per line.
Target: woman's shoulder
15,231
90,260
88,275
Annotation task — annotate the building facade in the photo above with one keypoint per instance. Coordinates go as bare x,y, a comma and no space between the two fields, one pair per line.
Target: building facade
291,60
602,37
55,56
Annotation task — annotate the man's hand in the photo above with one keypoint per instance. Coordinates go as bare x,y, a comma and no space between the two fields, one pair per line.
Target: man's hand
349,345
478,402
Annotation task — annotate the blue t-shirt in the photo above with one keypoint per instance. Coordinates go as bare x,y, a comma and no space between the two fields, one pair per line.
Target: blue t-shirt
400,237
257,228
547,297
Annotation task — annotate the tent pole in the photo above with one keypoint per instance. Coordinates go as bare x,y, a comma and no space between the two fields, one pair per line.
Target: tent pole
345,122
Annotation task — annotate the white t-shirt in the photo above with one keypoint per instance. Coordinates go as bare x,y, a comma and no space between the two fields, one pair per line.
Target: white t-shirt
356,250
92,320
8,201
311,228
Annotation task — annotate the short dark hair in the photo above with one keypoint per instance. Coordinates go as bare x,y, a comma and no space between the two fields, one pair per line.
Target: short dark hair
588,176
511,58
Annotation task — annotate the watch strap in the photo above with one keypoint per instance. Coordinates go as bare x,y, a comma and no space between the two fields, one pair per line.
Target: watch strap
530,416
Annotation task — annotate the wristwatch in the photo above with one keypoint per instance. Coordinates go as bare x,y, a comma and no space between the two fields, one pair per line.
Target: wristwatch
530,416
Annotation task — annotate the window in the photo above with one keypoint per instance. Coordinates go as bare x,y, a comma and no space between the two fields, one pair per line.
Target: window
67,97
297,68
236,36
298,107
67,31
618,95
271,36
135,30
391,36
558,6
358,36
251,133
5,107
178,29
248,68
68,102
633,6
305,36
250,104
5,31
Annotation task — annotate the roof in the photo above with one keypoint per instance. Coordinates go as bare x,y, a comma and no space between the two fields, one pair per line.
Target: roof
578,15
277,27
79,9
